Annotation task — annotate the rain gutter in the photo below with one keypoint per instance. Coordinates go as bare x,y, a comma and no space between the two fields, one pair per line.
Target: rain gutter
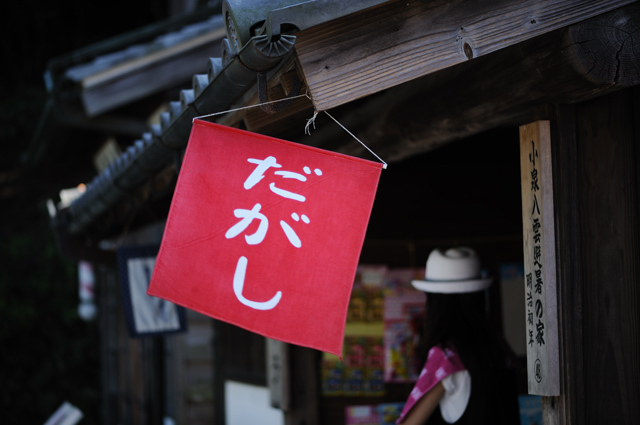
224,84
227,81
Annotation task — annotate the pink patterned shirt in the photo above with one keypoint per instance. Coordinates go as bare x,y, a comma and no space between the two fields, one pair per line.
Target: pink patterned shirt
440,364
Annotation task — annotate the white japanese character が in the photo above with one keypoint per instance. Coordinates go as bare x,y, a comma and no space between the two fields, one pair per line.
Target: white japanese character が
247,217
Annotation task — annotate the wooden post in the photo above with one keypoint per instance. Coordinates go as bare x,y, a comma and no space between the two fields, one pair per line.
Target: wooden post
598,245
539,259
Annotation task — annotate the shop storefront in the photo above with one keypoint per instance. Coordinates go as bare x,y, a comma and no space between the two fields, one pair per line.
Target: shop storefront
450,123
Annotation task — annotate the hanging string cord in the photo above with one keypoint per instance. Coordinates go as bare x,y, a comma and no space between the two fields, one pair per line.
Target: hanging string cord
257,105
307,128
310,121
384,164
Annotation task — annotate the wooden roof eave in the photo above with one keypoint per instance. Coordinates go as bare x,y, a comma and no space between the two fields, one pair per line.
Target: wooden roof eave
407,106
507,86
381,47
465,98
159,148
154,72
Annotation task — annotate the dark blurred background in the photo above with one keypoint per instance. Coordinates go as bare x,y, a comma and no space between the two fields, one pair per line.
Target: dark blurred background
47,354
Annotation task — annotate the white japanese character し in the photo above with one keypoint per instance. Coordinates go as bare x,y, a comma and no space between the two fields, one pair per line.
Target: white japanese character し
238,286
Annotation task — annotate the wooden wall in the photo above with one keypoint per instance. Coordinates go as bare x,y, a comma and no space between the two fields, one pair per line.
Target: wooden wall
596,147
147,379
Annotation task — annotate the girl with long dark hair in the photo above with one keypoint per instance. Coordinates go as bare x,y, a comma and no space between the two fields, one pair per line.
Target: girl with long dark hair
465,379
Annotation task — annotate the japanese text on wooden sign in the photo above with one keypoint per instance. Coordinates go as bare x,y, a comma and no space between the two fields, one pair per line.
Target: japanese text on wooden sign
539,259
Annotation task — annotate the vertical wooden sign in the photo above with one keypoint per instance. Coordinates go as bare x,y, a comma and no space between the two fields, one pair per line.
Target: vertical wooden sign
278,373
539,259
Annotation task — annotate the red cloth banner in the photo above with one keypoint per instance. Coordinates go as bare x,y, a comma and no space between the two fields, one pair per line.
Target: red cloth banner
266,234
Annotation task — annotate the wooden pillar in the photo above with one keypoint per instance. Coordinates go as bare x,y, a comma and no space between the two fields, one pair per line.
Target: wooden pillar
598,268
304,365
239,355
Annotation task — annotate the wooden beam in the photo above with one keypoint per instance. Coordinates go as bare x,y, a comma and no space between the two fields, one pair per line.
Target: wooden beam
381,47
504,88
287,124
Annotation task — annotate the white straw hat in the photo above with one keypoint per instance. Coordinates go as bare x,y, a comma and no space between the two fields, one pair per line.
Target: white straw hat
457,270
